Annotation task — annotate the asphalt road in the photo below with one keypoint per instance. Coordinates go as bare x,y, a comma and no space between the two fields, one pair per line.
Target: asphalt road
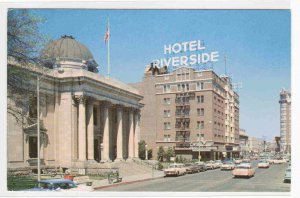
265,180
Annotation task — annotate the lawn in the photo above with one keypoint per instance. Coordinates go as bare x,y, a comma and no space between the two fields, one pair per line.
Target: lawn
15,183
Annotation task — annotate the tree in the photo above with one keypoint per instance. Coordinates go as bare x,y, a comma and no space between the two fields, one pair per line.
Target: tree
160,154
23,46
169,153
142,149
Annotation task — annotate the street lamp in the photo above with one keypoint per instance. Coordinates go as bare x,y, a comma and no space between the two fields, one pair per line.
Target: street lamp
146,151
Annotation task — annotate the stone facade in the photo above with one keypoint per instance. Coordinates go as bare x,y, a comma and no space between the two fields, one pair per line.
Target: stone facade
85,119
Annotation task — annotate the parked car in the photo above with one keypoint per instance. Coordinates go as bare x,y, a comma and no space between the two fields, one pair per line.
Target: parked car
246,160
201,165
263,164
243,170
270,160
228,165
175,170
278,161
237,161
191,168
218,163
59,185
210,165
287,175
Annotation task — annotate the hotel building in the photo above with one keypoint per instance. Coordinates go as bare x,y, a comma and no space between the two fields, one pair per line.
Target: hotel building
186,109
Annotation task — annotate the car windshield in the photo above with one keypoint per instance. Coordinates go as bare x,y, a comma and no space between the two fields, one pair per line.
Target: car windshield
262,162
188,164
288,170
243,167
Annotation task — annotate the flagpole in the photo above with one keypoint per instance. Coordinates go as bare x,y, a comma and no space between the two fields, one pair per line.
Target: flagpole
108,60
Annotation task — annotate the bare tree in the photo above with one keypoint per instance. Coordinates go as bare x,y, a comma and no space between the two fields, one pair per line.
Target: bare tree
24,42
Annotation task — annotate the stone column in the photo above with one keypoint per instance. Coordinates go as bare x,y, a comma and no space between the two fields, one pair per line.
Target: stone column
136,135
131,136
90,130
81,128
119,134
106,140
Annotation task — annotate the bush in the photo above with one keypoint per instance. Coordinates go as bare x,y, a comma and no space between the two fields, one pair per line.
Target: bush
160,166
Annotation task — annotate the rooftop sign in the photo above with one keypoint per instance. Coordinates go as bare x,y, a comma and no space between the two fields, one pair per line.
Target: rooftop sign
192,55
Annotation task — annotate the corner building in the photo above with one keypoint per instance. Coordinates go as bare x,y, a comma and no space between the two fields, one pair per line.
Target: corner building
187,107
85,118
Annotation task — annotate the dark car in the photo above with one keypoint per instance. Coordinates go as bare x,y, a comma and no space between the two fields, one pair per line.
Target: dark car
53,185
191,168
201,166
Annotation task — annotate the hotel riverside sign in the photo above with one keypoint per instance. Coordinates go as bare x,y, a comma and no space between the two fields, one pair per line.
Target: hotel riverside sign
195,54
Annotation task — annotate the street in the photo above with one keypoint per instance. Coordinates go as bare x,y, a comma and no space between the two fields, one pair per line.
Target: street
265,180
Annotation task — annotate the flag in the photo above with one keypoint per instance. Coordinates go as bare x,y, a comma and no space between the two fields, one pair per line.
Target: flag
106,36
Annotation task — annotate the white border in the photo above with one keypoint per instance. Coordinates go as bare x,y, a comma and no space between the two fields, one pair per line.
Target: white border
155,4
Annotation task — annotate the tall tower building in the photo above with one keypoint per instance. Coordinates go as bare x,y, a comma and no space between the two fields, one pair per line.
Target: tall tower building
285,121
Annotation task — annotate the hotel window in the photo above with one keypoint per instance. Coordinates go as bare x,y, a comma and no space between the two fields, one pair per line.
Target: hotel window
178,87
200,124
167,113
200,99
166,88
167,138
167,125
200,86
167,101
200,112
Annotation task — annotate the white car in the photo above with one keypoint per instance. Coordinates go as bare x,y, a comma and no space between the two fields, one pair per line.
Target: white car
218,163
263,164
175,169
228,166
237,161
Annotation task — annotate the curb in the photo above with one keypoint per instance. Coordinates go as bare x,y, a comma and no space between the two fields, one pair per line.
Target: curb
128,182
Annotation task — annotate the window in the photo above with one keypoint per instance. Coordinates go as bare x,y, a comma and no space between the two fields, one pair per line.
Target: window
200,86
200,99
167,125
167,113
167,101
167,138
178,87
200,124
166,88
200,112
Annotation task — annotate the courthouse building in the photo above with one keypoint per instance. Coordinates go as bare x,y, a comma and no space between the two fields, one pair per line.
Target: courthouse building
187,107
285,121
85,118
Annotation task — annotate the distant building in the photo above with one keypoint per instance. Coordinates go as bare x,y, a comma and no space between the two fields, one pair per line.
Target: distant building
188,106
285,121
244,143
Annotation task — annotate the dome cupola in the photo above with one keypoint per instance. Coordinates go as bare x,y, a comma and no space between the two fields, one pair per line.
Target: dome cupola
66,52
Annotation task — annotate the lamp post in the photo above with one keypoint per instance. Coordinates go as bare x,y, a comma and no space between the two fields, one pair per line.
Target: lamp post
146,152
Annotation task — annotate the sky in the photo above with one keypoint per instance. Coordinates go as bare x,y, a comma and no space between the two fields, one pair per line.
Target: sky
257,44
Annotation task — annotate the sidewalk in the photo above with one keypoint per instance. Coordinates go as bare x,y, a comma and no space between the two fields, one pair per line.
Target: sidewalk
100,184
